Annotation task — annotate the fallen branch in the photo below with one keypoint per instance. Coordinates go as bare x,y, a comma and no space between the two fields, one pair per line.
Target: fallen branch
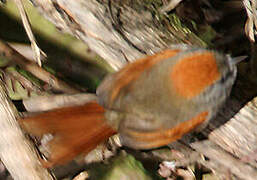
16,152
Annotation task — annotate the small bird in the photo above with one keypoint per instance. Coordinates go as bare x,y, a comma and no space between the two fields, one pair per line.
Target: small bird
149,103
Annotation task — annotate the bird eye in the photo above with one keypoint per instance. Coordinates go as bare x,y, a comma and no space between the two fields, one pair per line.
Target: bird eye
223,79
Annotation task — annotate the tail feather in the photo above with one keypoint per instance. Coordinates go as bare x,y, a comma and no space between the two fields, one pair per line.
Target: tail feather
75,130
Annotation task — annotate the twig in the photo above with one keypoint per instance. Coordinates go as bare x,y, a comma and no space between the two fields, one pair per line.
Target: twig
46,103
40,73
37,51
24,82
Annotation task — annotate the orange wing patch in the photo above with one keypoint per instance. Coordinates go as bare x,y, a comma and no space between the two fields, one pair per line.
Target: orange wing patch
193,74
133,70
163,137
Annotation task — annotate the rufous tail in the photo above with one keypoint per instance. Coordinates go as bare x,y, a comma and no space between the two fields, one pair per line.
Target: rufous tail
75,130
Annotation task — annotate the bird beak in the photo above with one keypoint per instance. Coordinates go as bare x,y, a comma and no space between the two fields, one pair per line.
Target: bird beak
236,60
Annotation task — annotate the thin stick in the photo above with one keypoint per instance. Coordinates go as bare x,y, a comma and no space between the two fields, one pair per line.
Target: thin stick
46,103
40,73
37,51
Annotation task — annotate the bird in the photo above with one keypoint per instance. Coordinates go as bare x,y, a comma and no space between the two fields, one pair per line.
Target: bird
149,103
